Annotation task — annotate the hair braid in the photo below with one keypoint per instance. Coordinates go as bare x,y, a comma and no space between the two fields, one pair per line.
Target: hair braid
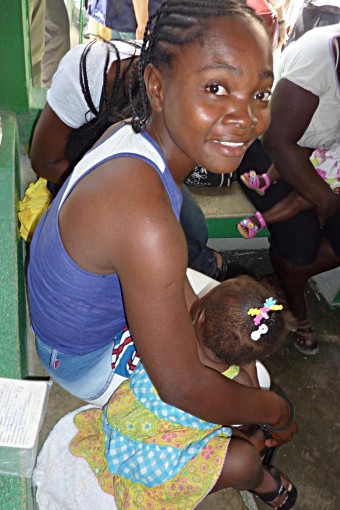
83,80
177,23
111,109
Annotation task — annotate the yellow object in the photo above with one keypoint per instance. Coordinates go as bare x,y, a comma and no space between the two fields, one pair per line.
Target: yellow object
31,208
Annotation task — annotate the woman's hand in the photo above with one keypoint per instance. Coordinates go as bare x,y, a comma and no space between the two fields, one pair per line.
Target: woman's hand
284,436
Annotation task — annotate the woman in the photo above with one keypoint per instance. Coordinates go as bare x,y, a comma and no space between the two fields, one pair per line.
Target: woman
90,91
110,251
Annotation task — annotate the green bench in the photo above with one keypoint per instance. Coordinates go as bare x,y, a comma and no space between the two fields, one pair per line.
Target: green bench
223,209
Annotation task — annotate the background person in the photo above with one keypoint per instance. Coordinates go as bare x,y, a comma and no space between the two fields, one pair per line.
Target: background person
308,81
312,14
327,165
127,20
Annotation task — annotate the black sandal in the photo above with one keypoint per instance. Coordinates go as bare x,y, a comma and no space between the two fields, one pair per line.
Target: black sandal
267,453
270,497
304,341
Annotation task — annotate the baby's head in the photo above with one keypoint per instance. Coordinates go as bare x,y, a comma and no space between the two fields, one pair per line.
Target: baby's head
230,326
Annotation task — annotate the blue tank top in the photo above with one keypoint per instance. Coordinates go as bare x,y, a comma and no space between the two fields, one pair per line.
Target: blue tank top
71,309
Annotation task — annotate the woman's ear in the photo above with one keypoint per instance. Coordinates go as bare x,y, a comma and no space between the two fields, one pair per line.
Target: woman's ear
153,78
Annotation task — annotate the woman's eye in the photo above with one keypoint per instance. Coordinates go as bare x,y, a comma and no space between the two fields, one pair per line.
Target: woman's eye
217,90
262,96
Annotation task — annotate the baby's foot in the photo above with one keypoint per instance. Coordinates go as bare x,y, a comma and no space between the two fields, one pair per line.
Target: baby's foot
258,183
249,227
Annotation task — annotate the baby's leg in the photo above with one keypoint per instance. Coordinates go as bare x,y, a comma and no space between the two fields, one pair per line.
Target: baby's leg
282,211
260,182
273,174
243,470
287,208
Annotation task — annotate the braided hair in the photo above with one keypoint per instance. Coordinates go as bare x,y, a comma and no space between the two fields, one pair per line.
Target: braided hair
177,23
112,108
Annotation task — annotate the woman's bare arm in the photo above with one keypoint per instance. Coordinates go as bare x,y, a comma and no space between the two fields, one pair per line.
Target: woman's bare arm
96,224
48,146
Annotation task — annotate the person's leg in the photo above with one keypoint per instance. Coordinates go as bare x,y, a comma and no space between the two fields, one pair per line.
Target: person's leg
37,31
243,470
284,210
293,279
57,38
89,377
287,208
297,251
200,257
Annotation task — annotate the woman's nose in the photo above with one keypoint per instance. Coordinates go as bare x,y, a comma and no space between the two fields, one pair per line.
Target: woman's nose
242,116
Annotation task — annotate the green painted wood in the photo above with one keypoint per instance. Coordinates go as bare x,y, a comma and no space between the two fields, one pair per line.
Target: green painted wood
15,492
227,227
337,298
12,297
15,57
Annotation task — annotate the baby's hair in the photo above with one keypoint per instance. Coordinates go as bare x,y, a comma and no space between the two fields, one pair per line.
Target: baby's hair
177,23
227,327
112,108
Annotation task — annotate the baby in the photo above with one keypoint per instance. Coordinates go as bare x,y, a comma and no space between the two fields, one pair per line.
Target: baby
157,453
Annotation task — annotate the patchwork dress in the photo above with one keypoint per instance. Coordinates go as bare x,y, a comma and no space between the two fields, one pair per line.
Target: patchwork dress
148,454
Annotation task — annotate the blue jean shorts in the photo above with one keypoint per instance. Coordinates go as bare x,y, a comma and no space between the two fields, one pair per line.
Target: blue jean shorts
89,377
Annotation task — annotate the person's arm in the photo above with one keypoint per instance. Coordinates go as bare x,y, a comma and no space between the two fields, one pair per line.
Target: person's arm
119,219
142,16
292,108
48,146
248,375
123,223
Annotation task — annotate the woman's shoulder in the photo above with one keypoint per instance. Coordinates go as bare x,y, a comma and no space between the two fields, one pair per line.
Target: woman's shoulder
308,62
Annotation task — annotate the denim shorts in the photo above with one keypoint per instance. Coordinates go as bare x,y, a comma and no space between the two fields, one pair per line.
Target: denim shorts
89,377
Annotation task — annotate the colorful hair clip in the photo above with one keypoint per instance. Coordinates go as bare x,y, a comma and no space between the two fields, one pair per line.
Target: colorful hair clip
263,329
260,314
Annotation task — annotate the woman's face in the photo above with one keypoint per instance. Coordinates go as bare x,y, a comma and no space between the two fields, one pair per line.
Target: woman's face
215,95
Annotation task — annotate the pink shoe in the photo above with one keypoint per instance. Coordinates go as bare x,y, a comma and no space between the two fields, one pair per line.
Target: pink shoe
247,227
252,181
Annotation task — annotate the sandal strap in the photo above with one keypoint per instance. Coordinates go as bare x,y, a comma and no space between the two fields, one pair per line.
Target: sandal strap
267,497
259,216
248,224
266,180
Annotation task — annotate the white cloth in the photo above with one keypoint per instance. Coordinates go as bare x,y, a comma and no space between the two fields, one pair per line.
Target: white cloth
309,62
320,3
65,482
65,96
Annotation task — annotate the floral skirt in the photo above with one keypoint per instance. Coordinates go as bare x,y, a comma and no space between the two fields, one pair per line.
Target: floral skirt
147,462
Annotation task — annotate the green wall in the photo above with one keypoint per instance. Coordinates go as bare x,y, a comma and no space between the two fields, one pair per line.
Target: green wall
20,102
